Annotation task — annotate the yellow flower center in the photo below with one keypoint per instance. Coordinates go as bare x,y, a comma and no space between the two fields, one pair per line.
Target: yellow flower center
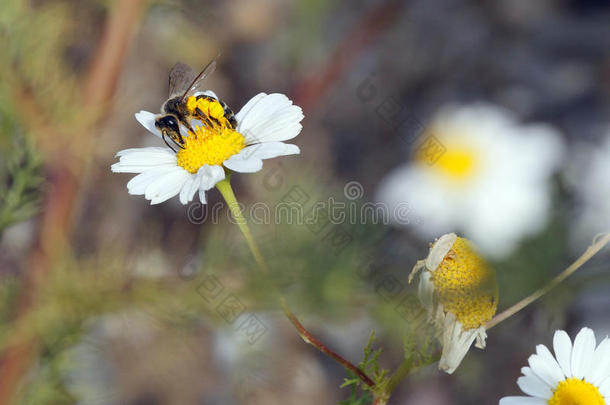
574,391
466,285
213,142
457,162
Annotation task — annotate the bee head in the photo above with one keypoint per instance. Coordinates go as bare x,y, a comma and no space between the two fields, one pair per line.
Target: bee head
168,124
169,127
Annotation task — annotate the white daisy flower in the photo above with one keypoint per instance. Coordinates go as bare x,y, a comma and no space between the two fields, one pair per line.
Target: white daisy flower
459,291
490,180
578,374
262,125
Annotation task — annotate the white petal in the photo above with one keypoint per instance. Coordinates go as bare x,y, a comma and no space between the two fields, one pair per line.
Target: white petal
527,372
600,370
269,118
195,186
138,185
563,351
269,150
138,160
166,186
548,358
604,388
532,385
582,352
249,159
246,108
522,401
186,195
481,337
425,292
439,250
243,164
456,343
546,372
147,119
210,175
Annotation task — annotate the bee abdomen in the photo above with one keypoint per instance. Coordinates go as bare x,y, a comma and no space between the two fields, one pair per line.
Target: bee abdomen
228,114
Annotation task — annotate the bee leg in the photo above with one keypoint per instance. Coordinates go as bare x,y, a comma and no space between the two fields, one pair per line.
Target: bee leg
203,118
181,139
168,144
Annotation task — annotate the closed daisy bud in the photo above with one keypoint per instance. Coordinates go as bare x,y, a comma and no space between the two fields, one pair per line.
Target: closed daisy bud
459,291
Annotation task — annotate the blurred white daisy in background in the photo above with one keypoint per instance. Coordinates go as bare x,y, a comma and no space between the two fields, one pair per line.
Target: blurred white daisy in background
459,291
493,181
262,125
589,176
578,374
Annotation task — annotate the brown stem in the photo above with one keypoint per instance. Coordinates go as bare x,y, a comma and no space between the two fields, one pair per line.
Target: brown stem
312,340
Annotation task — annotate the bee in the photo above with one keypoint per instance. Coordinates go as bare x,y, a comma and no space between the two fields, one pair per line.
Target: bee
184,82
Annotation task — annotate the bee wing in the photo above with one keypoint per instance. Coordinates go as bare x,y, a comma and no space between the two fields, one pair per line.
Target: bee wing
181,76
197,82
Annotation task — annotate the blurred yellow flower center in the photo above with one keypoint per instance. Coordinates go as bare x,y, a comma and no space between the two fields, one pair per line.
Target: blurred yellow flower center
466,285
213,142
456,163
574,391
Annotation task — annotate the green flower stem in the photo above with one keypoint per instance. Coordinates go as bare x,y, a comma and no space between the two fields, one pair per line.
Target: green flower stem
382,395
383,391
591,251
400,374
226,190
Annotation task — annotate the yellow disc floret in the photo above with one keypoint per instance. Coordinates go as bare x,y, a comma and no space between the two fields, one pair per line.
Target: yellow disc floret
574,391
207,146
211,143
466,285
457,163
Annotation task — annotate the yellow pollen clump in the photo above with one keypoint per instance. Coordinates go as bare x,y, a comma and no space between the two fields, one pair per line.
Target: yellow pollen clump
207,106
209,146
574,391
466,285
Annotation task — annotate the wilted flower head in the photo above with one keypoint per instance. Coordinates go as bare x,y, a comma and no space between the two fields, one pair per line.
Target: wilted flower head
212,148
459,291
491,178
578,374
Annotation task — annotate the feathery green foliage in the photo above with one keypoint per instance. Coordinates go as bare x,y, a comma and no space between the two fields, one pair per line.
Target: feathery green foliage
20,184
360,393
